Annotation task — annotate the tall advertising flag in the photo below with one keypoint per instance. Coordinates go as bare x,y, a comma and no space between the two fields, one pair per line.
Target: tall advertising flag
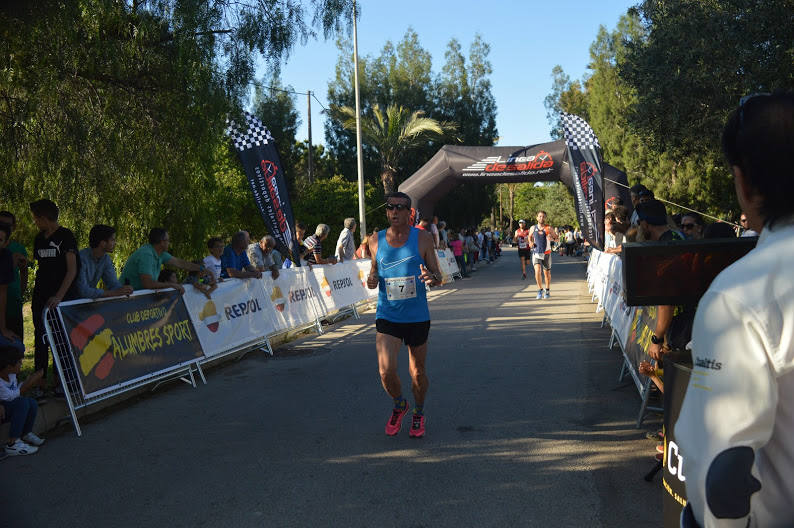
257,151
584,160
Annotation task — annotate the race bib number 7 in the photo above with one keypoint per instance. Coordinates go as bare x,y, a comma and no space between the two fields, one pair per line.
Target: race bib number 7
399,288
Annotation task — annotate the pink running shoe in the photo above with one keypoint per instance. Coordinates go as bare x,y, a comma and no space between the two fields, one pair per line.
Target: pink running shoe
395,422
417,426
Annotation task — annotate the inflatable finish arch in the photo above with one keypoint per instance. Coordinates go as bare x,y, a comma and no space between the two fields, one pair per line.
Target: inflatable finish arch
453,165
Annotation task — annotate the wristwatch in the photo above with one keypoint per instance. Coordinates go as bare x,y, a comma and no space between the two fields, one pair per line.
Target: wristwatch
656,340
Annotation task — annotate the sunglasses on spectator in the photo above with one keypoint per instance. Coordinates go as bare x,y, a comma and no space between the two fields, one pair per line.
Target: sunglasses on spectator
399,207
687,226
743,220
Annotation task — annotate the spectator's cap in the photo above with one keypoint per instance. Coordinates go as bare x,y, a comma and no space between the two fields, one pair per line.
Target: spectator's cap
646,192
522,221
652,211
637,189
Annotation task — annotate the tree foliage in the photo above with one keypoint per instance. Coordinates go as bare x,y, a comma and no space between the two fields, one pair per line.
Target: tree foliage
116,110
660,86
402,75
394,134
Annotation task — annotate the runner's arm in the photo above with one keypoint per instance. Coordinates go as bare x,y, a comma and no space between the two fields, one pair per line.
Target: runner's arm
428,252
372,278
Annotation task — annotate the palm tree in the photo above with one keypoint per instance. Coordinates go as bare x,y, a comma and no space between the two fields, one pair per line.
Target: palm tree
394,134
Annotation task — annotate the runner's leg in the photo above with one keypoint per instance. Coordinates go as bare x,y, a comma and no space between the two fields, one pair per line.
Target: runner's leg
548,279
539,274
388,347
416,365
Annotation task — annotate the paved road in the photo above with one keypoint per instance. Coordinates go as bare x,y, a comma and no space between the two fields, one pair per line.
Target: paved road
526,427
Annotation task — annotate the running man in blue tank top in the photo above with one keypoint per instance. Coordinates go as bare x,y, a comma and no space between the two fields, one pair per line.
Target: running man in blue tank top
404,263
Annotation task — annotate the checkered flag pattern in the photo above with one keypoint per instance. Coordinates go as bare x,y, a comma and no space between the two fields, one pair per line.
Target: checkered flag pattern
255,133
578,134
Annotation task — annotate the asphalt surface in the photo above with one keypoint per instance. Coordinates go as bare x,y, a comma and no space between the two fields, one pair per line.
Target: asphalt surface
526,426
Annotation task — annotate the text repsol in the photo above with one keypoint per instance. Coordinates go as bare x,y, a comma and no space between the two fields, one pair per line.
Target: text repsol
300,294
342,283
241,309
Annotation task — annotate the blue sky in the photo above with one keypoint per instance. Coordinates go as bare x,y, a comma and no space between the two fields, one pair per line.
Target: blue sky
527,40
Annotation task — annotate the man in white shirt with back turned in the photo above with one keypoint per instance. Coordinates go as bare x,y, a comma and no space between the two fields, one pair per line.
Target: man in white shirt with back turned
736,423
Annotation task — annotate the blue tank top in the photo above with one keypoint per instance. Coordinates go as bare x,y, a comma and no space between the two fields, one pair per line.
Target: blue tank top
540,240
402,297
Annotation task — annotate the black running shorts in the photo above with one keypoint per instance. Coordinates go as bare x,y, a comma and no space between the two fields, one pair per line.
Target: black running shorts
412,334
525,253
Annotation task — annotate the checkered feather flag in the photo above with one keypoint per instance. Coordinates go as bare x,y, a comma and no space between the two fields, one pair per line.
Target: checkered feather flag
252,134
578,133
584,161
257,151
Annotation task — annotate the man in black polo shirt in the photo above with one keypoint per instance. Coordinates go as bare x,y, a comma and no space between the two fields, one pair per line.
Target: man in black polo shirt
55,250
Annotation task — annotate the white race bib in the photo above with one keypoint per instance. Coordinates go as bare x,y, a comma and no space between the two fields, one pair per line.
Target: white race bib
522,243
399,288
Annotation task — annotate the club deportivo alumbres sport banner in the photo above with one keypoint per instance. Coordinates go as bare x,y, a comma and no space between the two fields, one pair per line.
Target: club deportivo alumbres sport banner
257,150
584,160
119,341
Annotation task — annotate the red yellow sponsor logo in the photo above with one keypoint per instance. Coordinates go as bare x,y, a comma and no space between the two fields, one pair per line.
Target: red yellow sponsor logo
209,316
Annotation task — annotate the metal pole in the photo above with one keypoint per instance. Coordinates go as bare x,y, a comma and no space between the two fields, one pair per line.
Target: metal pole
309,122
362,220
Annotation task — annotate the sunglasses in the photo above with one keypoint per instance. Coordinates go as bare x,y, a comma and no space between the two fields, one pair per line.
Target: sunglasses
743,220
687,226
399,207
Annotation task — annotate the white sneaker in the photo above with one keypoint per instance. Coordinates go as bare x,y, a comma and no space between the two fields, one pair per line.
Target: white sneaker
540,294
20,448
32,439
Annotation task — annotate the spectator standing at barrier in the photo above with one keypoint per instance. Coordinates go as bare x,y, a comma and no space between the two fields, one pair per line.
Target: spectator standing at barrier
443,234
737,419
456,244
692,226
570,242
613,238
404,264
314,246
481,244
346,244
540,237
472,250
13,318
234,260
524,252
8,337
212,262
95,265
745,230
55,250
434,231
363,249
206,285
20,410
261,255
653,226
634,194
143,267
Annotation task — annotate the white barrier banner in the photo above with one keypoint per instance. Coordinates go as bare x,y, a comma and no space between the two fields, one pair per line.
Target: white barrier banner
340,285
452,263
364,265
295,298
443,262
237,313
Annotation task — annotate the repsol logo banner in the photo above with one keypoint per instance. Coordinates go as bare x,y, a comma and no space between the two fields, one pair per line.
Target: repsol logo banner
301,294
341,284
238,312
242,309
